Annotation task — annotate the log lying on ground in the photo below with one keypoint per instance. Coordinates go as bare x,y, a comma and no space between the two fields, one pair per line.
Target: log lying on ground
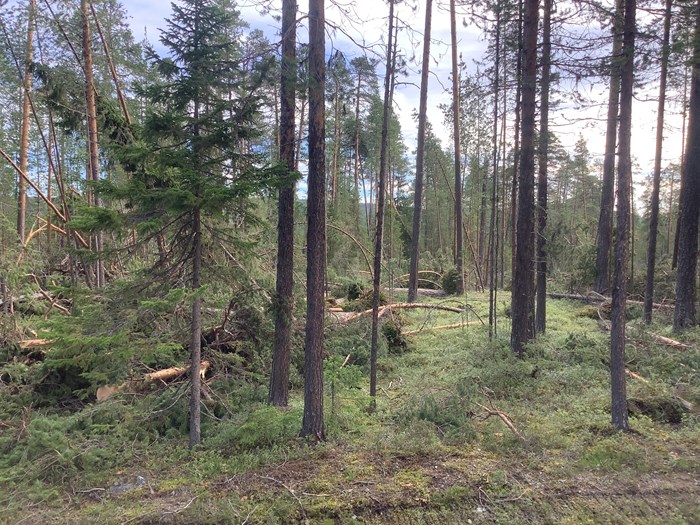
670,342
428,292
687,404
441,327
171,373
398,306
35,343
594,297
165,375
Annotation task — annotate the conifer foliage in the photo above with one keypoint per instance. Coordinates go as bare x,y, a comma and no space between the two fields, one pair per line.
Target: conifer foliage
191,170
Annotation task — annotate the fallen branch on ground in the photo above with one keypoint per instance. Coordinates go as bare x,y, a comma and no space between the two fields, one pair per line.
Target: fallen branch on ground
291,492
670,342
503,417
633,375
441,327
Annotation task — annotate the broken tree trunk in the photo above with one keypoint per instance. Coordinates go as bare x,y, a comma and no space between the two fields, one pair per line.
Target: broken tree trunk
442,327
594,297
171,373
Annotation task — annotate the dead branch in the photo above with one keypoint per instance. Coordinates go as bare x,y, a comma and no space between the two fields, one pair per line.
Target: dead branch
53,302
636,376
670,342
357,243
442,327
488,412
291,492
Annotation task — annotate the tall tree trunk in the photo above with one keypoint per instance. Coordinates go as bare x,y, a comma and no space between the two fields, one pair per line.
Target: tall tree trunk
24,134
93,153
196,333
336,143
356,167
279,378
516,141
312,424
656,184
686,278
684,117
504,170
300,133
493,236
607,195
112,70
624,173
381,191
420,156
543,165
482,219
459,241
523,274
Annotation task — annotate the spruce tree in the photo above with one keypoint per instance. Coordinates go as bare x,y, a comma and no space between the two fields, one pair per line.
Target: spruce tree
190,175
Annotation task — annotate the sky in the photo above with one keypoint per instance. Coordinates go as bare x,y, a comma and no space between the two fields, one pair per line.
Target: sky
146,16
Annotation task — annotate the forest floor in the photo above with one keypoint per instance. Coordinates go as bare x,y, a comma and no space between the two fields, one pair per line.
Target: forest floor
463,432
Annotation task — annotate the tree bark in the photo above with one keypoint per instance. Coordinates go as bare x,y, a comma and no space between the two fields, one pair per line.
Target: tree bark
493,234
196,333
356,163
684,117
459,240
381,191
516,140
523,275
654,218
312,424
279,379
624,173
543,165
686,278
420,156
24,133
607,196
93,152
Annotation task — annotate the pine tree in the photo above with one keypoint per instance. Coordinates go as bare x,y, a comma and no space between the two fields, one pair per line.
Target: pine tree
312,424
279,378
686,280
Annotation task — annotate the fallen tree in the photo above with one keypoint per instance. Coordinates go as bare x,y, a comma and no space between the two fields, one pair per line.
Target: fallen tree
407,306
441,327
596,298
164,376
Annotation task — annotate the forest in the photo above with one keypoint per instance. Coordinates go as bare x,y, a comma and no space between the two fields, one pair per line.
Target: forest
245,279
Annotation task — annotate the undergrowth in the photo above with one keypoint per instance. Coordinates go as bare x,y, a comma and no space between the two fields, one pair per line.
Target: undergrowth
460,423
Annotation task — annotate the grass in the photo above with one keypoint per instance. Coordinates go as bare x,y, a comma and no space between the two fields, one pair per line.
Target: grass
430,453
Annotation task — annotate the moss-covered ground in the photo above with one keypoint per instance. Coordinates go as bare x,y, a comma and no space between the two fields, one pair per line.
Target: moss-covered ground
436,450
